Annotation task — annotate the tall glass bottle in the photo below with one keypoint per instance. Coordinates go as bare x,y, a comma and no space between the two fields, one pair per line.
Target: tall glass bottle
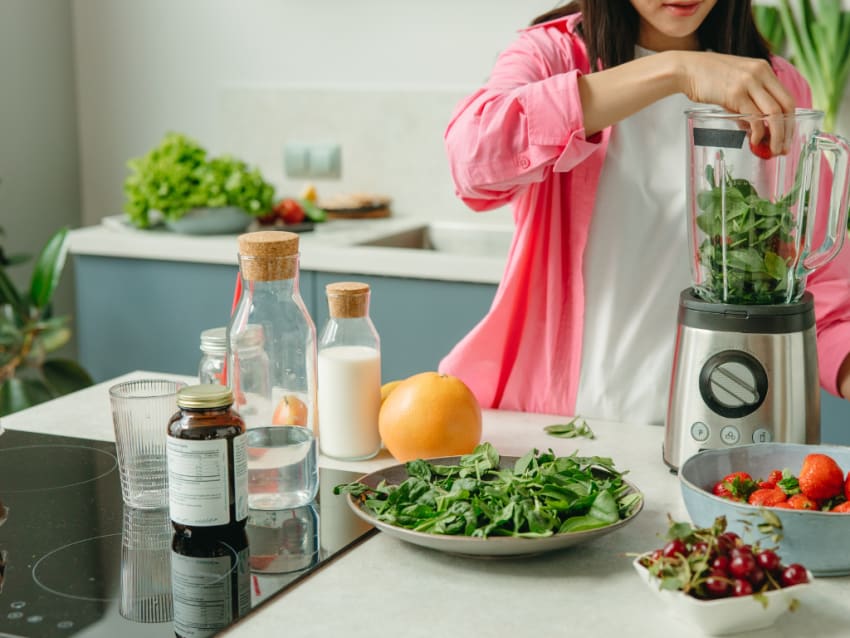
270,299
349,375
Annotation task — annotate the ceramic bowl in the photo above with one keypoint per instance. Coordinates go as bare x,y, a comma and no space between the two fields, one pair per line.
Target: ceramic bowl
818,540
725,615
226,220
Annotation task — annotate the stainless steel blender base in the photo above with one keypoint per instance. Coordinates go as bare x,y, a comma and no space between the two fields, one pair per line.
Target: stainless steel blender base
732,388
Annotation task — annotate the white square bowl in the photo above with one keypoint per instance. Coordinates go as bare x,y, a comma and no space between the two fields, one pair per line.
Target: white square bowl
722,616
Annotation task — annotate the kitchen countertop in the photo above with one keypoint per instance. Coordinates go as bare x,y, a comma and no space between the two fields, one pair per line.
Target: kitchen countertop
332,247
385,587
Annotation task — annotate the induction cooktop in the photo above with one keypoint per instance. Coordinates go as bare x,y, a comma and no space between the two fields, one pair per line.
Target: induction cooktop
75,561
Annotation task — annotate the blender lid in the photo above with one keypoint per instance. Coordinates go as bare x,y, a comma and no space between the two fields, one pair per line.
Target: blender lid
756,319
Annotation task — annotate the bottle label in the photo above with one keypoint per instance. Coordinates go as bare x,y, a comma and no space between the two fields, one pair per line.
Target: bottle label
240,475
198,480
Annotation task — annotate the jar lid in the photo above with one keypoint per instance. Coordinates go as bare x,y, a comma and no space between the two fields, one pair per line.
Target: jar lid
205,395
214,340
348,299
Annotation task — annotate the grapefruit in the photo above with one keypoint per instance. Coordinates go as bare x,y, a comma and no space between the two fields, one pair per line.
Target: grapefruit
429,415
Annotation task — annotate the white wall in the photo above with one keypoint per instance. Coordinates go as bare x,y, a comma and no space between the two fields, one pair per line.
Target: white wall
148,66
39,177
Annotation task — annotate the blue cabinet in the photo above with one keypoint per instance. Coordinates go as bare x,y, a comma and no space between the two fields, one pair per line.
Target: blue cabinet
140,314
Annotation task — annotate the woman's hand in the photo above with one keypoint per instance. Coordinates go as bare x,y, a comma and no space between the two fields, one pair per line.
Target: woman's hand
741,85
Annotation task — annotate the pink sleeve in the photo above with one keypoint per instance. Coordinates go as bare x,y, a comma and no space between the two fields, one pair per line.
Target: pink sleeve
830,285
524,123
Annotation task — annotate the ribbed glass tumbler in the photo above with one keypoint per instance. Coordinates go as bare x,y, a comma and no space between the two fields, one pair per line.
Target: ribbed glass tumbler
140,413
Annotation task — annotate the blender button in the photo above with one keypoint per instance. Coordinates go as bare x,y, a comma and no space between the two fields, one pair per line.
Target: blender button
700,431
730,435
762,435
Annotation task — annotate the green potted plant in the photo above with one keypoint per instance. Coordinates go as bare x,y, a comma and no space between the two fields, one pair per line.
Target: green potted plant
29,333
818,42
177,182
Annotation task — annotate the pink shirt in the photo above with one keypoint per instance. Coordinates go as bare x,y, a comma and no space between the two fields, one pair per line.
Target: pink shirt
520,140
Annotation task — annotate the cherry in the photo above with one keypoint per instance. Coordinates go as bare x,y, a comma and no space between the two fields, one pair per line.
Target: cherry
717,583
742,588
757,577
701,548
655,556
721,563
794,574
768,560
674,548
727,541
742,564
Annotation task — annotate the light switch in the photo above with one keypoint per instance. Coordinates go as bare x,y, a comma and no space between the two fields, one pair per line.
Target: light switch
296,160
325,161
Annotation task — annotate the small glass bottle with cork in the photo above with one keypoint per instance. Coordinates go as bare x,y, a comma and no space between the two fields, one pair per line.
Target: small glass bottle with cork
349,375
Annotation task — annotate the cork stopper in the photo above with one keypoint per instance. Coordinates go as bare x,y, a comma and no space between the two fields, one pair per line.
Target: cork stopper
268,255
348,299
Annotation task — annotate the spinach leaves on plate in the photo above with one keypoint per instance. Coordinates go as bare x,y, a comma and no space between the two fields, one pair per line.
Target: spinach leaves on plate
541,495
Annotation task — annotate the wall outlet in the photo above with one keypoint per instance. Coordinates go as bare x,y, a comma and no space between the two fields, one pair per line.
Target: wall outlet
322,160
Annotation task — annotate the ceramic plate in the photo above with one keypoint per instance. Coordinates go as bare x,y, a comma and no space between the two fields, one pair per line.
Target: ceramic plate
496,546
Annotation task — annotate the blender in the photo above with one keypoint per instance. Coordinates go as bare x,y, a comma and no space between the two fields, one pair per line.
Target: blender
745,366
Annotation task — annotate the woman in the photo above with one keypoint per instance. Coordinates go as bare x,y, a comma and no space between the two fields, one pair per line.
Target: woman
581,129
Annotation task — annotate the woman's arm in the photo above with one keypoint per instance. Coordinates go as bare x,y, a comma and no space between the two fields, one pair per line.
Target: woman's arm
740,85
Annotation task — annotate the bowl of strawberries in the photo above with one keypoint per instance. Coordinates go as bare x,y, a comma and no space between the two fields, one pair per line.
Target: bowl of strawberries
797,495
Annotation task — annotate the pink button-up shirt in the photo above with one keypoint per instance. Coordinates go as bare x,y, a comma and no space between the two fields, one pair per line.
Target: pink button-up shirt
520,140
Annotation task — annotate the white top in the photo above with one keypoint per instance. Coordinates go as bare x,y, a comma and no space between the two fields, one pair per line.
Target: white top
635,266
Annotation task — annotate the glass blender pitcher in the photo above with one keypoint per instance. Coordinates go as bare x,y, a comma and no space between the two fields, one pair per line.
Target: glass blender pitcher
759,223
745,366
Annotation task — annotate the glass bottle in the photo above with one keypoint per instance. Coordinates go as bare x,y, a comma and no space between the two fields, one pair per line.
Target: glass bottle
254,366
349,375
210,582
271,300
207,460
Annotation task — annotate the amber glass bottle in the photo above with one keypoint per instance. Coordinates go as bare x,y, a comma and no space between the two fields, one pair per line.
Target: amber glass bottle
207,463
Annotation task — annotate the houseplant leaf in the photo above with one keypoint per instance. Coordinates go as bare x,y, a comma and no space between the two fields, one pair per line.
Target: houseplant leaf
64,376
48,269
18,394
9,295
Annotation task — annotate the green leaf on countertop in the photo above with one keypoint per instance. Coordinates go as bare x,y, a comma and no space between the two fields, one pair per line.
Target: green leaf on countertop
313,212
571,430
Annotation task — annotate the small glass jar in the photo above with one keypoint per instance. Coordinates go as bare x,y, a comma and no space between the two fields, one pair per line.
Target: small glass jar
207,456
349,375
254,364
271,300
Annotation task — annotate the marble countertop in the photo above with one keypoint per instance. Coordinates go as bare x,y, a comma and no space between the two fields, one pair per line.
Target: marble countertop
333,246
385,587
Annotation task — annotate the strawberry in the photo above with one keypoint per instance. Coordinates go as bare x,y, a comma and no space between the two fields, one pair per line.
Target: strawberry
774,477
785,505
767,497
820,477
722,491
762,149
802,502
844,507
847,487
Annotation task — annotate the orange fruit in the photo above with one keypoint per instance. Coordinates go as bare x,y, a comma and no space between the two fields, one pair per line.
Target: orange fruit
388,387
290,411
430,415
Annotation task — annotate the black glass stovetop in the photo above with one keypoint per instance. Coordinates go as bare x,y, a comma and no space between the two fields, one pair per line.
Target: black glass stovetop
75,561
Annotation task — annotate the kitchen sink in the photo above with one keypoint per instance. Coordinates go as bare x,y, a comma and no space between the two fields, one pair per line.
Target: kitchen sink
480,240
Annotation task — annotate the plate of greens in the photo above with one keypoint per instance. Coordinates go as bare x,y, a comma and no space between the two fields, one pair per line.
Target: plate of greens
484,504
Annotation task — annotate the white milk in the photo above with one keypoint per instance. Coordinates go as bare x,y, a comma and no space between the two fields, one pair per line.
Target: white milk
349,401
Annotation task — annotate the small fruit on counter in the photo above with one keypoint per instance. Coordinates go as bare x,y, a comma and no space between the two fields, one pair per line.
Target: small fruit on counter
429,415
289,211
388,387
309,193
290,411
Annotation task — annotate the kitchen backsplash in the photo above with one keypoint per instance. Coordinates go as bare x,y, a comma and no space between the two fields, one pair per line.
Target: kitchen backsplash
391,141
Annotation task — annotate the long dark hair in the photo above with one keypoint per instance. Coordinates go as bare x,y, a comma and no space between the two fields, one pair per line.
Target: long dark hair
610,29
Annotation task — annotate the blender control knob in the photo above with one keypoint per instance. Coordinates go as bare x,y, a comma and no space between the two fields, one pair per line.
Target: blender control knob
733,384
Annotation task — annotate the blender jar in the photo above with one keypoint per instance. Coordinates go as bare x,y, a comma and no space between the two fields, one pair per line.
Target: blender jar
759,223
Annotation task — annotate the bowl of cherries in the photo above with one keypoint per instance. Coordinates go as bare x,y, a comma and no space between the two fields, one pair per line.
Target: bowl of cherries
710,577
